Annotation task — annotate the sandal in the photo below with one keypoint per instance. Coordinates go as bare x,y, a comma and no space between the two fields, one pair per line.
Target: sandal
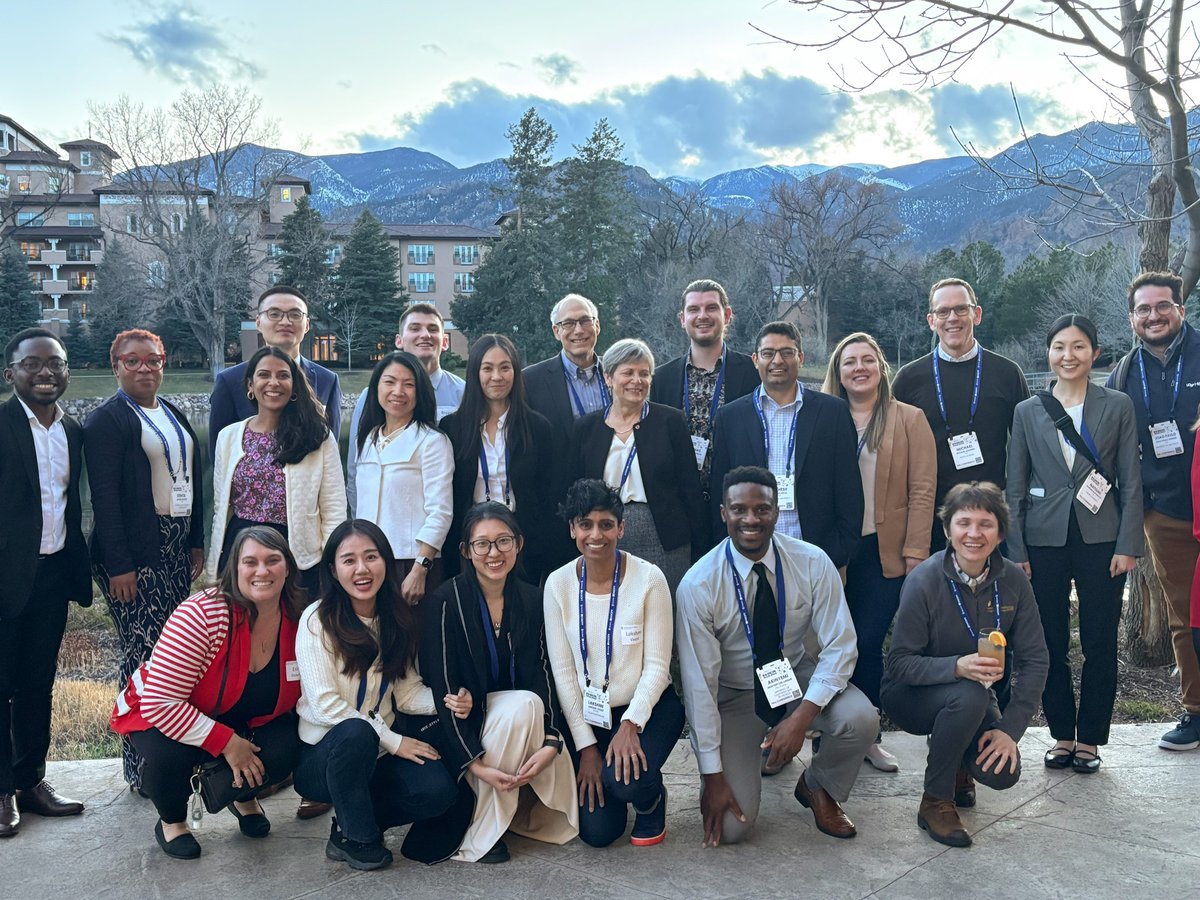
1059,758
1085,762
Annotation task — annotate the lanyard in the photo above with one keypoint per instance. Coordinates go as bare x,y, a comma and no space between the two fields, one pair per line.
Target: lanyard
862,442
962,610
362,693
1174,388
605,400
740,593
937,384
762,418
493,654
716,397
632,450
612,618
163,438
483,470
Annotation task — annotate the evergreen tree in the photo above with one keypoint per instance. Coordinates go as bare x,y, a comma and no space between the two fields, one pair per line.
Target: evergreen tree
123,297
529,168
366,298
305,260
19,308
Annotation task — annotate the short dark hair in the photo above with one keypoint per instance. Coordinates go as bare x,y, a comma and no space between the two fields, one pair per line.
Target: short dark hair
587,494
274,289
787,329
750,475
28,334
953,282
983,495
1158,279
704,286
1083,323
424,309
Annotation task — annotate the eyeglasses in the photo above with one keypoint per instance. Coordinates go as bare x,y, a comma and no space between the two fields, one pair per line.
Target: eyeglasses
503,544
766,354
33,365
132,362
587,322
294,316
1143,312
959,312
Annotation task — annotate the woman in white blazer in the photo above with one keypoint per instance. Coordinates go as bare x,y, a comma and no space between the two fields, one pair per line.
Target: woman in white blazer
1075,490
405,474
280,467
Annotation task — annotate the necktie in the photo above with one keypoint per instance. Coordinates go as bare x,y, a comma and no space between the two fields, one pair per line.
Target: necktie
766,642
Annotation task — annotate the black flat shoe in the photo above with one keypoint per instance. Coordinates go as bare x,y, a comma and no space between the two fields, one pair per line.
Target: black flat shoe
1086,764
1059,758
498,854
252,825
182,847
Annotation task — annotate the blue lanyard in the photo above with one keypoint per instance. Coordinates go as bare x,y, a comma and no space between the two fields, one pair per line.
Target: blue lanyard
716,397
632,450
612,618
962,610
605,399
762,418
493,653
483,470
1174,389
937,384
362,693
1091,445
162,437
862,442
740,593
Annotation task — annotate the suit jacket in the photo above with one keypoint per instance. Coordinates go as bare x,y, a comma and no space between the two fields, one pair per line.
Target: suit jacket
1041,491
21,525
536,505
829,494
740,379
905,482
125,534
668,464
229,404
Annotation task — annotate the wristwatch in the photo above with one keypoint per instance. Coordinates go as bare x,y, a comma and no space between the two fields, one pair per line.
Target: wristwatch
424,562
554,742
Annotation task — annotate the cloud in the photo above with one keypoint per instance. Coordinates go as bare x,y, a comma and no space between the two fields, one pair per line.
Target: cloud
181,46
435,49
987,117
345,84
557,69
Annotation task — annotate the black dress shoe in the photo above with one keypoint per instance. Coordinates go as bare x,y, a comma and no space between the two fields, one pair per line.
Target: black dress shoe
253,825
498,854
1085,762
183,847
10,816
1059,758
44,800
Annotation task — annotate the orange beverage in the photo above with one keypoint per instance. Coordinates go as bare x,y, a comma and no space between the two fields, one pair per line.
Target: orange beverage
992,644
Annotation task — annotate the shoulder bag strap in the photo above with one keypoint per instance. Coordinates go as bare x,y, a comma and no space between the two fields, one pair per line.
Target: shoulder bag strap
1063,422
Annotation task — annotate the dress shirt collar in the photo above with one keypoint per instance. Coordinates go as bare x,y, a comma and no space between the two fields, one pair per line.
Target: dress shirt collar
589,372
743,564
714,370
969,355
768,402
436,378
501,424
1171,347
58,414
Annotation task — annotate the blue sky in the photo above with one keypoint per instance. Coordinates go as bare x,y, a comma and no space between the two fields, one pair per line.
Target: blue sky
690,87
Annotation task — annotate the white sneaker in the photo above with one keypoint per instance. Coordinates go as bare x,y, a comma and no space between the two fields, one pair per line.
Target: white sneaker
881,759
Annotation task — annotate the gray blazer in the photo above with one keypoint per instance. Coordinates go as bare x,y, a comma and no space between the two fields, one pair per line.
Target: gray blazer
1041,489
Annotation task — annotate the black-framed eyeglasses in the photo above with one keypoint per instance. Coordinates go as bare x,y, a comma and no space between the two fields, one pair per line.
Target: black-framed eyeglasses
1162,308
503,544
295,316
33,364
959,312
571,324
766,354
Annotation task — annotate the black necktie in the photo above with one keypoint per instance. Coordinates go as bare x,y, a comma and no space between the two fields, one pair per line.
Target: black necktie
765,622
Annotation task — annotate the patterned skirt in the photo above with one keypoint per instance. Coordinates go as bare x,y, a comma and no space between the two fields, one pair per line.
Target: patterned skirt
641,539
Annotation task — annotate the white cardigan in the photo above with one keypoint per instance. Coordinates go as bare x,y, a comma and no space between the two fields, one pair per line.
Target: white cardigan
407,488
316,497
329,696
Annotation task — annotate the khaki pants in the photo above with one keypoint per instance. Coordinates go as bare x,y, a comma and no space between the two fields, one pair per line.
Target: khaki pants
1173,550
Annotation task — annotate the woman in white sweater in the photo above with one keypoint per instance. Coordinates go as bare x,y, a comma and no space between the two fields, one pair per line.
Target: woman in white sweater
613,673
405,471
356,649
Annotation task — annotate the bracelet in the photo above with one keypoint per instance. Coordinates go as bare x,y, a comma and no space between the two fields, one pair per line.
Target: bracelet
554,742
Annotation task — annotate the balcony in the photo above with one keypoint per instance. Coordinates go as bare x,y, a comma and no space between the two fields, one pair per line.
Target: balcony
53,257
83,254
81,284
53,286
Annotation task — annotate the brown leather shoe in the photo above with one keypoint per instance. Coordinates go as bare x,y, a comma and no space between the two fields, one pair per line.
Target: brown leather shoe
10,816
44,800
310,809
940,819
828,814
964,789
272,789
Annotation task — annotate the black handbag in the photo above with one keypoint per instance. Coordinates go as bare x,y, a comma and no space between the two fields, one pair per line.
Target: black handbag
213,780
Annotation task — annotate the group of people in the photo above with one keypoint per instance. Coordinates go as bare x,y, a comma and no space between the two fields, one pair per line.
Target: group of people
486,643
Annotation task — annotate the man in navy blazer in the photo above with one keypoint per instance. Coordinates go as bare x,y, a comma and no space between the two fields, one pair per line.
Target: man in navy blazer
282,320
827,495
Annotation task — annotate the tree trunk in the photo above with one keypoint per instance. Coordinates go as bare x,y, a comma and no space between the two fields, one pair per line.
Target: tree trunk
1145,631
216,353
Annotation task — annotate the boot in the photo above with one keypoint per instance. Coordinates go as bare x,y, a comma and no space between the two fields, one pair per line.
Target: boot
940,819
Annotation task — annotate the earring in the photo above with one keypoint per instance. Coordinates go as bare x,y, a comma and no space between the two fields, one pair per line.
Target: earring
294,396
249,395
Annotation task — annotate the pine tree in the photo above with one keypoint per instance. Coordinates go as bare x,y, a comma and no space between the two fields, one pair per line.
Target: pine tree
122,298
304,263
19,307
366,298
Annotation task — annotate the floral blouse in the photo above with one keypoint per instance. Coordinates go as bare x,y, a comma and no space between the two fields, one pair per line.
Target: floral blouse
259,492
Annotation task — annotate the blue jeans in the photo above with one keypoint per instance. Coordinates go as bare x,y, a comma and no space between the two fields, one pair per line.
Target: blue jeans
873,600
370,793
605,824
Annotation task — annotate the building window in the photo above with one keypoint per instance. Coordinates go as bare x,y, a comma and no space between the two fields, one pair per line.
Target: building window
420,254
31,219
333,255
421,283
23,184
156,273
82,312
285,195
274,277
464,283
274,250
324,348
131,223
81,220
79,252
31,249
53,184
176,223
84,281
466,254
85,160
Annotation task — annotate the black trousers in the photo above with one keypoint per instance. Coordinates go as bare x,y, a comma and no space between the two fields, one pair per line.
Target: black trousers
168,764
28,662
1100,598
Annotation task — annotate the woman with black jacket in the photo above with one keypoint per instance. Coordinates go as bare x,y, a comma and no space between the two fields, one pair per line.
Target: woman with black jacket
502,451
484,632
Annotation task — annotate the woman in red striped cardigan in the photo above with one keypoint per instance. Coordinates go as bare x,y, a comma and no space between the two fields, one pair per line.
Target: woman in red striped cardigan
222,681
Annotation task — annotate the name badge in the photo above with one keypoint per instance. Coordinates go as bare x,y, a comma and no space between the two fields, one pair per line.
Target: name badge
787,491
631,634
181,498
1165,436
596,709
779,682
1093,492
293,670
964,448
700,445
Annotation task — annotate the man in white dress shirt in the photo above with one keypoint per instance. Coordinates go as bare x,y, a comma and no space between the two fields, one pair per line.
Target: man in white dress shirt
766,649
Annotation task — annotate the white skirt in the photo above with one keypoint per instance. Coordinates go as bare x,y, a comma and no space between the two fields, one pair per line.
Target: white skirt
546,809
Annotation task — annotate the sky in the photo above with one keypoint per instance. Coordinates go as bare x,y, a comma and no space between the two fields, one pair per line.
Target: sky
691,88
